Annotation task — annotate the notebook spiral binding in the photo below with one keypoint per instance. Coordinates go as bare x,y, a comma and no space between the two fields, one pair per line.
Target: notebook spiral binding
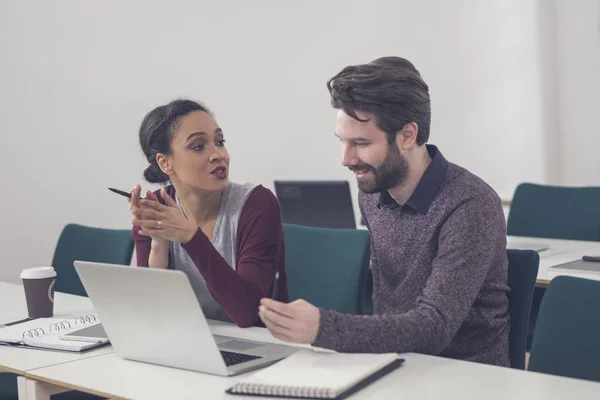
59,326
284,391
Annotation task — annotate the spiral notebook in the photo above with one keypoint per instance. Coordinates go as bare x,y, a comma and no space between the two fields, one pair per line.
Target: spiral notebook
44,333
310,374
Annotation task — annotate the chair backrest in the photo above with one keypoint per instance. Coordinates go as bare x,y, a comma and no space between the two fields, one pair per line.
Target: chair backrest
522,273
85,243
566,340
555,212
327,267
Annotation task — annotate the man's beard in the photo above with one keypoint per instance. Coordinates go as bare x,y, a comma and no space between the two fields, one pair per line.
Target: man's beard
391,173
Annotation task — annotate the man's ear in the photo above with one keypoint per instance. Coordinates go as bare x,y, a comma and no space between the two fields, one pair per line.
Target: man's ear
407,137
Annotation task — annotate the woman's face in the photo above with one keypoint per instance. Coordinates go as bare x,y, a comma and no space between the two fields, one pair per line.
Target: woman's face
199,159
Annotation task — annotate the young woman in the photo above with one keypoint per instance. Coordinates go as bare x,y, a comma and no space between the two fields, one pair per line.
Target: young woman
227,237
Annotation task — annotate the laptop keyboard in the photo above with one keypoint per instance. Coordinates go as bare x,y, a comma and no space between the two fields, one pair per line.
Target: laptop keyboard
236,358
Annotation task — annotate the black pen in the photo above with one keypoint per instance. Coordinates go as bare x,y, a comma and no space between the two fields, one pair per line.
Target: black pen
15,322
275,290
122,193
591,258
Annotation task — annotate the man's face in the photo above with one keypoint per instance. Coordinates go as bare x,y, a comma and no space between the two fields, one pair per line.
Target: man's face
377,164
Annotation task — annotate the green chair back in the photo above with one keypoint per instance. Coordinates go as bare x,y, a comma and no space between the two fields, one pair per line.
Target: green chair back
85,243
555,212
522,273
327,267
8,386
566,340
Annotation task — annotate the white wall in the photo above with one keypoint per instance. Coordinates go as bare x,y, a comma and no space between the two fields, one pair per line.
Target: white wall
77,77
578,45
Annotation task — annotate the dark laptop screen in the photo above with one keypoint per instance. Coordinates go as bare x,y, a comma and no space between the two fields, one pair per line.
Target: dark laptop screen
323,204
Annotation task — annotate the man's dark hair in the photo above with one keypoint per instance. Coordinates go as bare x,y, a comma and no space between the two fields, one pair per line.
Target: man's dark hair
389,88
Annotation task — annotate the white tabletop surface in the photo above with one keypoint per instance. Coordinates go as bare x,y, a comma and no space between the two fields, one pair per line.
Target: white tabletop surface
13,307
420,377
559,252
103,372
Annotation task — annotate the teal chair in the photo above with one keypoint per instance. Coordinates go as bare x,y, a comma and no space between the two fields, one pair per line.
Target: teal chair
327,267
566,340
8,386
558,212
522,273
78,242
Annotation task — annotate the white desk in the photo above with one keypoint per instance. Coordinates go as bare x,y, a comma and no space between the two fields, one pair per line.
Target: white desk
13,307
102,372
19,360
420,377
560,252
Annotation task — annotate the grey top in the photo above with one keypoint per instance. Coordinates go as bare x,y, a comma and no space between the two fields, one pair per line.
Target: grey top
224,241
440,272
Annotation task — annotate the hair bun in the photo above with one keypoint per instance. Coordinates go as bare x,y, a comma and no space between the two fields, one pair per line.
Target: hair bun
153,174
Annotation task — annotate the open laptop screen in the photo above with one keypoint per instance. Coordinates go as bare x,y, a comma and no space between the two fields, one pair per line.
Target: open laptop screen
322,204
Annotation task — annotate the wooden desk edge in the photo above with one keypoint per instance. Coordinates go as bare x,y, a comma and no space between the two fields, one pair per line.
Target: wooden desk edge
4,368
31,375
542,283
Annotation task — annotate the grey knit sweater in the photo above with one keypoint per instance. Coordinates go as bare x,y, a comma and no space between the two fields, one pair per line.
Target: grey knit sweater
439,272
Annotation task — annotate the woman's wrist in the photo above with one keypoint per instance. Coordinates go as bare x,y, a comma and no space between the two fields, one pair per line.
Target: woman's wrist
190,235
159,244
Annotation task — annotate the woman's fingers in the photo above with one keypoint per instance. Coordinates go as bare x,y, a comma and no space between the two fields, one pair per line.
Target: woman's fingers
151,204
135,196
151,196
151,232
147,213
148,223
167,199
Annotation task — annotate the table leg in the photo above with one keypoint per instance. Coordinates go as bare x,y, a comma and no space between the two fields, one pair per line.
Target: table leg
30,389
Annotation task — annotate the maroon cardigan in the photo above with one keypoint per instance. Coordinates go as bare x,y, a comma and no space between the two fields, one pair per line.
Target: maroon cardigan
260,252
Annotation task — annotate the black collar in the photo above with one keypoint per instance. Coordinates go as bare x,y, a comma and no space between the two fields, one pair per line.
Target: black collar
427,187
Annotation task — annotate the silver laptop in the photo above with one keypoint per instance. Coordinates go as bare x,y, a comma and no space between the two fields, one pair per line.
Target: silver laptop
153,316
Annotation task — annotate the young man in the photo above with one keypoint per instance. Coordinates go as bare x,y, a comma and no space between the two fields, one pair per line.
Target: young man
438,234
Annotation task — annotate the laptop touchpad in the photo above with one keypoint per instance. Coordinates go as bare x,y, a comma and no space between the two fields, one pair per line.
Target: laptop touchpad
240,345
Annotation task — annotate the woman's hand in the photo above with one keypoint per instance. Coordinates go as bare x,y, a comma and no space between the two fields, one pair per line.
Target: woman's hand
160,221
134,207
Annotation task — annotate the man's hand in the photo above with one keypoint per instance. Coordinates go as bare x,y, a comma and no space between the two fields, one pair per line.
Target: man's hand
296,322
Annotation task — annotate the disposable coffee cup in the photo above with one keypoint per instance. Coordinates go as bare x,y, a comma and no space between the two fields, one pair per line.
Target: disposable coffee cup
39,291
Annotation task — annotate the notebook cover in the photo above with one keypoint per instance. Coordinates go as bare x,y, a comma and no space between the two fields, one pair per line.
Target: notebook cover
26,346
359,385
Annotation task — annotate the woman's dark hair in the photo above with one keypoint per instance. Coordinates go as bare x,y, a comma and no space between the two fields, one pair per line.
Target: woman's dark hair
390,88
157,130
